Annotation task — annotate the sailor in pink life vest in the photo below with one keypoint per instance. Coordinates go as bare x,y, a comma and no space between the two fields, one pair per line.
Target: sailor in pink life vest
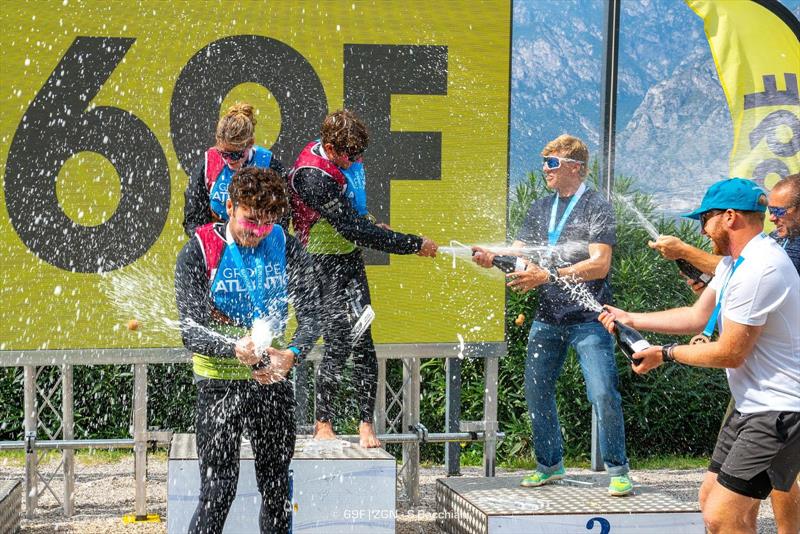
330,218
229,277
235,148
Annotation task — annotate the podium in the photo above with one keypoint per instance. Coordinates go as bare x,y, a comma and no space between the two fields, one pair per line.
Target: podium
10,505
348,490
579,503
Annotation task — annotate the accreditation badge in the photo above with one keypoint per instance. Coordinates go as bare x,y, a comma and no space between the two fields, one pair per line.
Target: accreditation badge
699,339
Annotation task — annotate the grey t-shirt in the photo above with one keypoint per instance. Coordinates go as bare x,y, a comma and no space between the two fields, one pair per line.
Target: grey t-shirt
591,221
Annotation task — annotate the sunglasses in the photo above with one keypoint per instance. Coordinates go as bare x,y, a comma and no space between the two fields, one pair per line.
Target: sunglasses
552,163
353,155
707,216
776,211
233,155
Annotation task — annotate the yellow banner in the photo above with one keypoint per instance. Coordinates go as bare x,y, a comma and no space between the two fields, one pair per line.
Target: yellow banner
757,54
106,106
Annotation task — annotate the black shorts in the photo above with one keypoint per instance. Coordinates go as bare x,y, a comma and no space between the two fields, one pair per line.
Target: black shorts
758,452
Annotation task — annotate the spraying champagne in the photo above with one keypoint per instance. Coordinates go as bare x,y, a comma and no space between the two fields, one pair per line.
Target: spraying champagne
262,334
629,340
509,264
693,273
689,270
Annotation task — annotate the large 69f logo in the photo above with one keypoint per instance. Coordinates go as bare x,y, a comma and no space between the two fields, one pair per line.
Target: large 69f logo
60,123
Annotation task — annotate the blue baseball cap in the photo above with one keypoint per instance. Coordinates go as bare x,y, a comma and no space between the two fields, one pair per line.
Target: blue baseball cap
731,194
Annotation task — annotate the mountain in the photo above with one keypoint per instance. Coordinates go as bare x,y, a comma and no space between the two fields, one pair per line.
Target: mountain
674,131
677,142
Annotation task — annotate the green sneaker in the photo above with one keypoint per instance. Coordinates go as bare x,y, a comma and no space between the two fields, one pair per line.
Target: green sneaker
537,478
620,486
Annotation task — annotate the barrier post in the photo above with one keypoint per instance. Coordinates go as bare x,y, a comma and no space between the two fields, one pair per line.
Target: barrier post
68,432
31,424
452,451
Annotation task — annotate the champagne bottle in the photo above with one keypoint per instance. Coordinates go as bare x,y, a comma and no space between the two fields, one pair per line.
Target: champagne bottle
509,264
630,341
262,334
693,272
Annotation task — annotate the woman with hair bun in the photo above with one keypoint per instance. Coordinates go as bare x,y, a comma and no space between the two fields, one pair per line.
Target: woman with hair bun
235,148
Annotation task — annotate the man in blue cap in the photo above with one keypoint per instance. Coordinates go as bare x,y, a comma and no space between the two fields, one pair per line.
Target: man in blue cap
754,299
784,213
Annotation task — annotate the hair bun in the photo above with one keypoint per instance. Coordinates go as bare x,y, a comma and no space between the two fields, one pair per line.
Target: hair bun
242,108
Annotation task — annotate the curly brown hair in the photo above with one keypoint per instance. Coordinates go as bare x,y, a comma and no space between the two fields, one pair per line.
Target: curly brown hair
261,190
346,132
237,127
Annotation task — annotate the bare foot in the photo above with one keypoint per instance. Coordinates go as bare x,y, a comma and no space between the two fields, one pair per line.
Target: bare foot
323,430
367,437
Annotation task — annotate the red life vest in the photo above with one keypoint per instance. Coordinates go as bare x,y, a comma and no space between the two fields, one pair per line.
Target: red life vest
304,216
214,165
212,239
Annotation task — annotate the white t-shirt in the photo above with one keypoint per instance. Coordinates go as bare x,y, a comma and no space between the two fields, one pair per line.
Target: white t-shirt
764,290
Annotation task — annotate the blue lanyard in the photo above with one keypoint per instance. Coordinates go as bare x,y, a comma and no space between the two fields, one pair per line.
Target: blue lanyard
553,231
712,321
251,288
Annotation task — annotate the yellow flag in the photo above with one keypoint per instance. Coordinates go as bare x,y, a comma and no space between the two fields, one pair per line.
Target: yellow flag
756,48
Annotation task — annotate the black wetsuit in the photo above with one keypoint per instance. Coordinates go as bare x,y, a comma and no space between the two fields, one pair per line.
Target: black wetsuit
341,277
225,408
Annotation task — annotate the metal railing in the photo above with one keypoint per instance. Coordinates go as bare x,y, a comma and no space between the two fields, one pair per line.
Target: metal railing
411,435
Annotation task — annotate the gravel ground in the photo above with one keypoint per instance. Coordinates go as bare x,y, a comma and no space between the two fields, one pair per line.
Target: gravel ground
104,492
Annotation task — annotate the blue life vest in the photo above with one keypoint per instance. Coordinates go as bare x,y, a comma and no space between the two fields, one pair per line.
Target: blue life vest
356,190
266,271
218,176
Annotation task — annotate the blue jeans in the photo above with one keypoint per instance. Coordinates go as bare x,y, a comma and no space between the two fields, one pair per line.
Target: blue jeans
547,350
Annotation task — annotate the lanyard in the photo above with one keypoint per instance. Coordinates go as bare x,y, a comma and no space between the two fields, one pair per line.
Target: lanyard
251,288
712,321
553,231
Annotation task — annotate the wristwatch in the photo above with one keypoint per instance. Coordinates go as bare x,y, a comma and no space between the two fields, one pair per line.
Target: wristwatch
666,352
553,272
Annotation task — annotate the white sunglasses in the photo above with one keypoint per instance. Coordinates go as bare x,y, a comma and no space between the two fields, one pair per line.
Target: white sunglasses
551,163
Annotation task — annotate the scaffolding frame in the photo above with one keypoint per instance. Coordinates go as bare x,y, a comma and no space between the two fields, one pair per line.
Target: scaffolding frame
404,427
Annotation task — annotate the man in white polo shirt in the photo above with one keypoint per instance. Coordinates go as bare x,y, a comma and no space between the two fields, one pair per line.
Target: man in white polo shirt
754,300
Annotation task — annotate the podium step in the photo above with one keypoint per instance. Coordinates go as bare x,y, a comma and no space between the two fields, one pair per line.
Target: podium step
347,490
10,505
579,503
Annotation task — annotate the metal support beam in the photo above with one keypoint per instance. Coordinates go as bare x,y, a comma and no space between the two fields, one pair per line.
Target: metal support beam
491,366
608,109
140,438
597,458
18,358
608,132
393,438
452,414
31,458
68,433
410,421
380,399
